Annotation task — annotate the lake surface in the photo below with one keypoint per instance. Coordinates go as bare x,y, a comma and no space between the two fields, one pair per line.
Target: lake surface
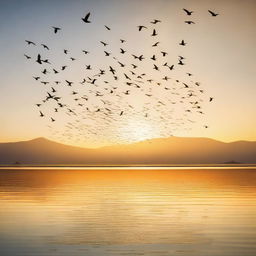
128,212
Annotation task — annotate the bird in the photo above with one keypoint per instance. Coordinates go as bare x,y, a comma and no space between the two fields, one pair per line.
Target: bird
56,29
122,51
156,44
41,114
164,53
46,61
121,64
183,43
181,63
156,67
45,46
30,42
85,52
171,67
189,22
69,83
108,28
63,67
105,44
45,71
38,60
122,41
141,58
153,57
28,57
55,71
86,18
187,11
211,98
155,21
141,27
88,67
107,53
213,13
112,70
53,120
36,77
65,51
154,33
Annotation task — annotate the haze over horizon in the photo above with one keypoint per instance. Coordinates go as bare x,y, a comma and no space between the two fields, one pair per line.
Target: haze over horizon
221,55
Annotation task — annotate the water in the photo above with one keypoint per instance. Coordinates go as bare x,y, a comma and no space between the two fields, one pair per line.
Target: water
128,212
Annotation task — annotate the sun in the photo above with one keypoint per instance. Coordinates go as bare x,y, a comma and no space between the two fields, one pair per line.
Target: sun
138,130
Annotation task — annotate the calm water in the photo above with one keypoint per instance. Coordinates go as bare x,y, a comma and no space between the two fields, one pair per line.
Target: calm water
128,212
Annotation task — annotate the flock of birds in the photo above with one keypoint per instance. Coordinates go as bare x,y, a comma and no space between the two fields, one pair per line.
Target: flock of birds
120,102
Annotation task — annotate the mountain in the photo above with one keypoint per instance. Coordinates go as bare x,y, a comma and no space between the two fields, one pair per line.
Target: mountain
173,150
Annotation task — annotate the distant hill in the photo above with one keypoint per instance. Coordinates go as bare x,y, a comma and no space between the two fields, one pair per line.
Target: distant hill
173,150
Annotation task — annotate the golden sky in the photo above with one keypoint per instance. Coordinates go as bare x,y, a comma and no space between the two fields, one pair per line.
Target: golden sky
220,53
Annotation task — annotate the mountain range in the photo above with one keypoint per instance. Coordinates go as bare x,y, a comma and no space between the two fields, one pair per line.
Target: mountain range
167,151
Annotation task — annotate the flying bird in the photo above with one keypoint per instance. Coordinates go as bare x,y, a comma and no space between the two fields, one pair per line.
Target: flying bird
56,29
30,42
213,13
28,57
141,27
183,43
155,21
187,11
86,18
154,33
45,46
189,22
105,44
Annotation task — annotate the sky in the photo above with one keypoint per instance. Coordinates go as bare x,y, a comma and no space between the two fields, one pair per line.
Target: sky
220,53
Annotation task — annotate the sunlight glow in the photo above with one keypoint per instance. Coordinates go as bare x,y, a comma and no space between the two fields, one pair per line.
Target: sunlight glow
138,130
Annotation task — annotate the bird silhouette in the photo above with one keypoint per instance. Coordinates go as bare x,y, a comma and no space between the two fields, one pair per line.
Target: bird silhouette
183,43
86,18
213,13
122,51
154,33
28,57
45,46
141,27
105,44
30,42
112,70
187,11
155,44
189,22
56,29
39,60
155,21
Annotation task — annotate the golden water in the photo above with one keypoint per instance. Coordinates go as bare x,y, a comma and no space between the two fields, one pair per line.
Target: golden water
195,212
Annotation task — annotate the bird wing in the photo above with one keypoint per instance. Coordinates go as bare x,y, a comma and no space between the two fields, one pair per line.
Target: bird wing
87,16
